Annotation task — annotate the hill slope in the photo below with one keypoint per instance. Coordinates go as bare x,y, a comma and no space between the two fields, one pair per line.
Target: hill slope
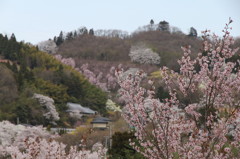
25,70
114,49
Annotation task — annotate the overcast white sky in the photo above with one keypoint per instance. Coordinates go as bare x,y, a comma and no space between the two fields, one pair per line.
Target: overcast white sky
37,20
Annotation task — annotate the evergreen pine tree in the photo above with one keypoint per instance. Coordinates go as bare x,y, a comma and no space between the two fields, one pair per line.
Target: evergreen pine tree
13,38
60,39
151,22
163,26
55,39
69,36
75,34
193,32
91,32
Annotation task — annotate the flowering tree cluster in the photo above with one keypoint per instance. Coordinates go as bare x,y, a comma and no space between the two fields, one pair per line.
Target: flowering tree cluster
110,105
105,83
199,130
35,143
14,134
111,33
111,79
92,78
143,55
67,61
37,148
124,76
48,46
48,102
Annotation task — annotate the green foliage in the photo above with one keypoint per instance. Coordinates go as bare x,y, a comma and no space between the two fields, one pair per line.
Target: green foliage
169,59
84,92
74,84
59,40
121,148
57,92
9,48
40,60
162,93
33,71
24,108
94,98
28,111
8,86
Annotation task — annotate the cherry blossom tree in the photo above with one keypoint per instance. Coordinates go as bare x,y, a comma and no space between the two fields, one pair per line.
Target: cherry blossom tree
111,79
143,55
37,148
48,102
67,61
112,106
93,78
48,46
105,83
21,142
15,134
199,130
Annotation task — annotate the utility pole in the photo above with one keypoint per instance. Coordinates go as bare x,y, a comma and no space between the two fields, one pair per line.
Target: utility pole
105,147
110,136
106,137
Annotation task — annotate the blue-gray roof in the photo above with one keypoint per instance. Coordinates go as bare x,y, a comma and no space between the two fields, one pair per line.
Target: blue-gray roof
78,107
101,120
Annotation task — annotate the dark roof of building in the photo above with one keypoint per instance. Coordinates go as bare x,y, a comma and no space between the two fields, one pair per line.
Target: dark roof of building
27,125
75,106
101,120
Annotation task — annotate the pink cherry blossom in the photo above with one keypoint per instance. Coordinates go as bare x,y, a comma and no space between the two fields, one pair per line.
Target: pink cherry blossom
164,130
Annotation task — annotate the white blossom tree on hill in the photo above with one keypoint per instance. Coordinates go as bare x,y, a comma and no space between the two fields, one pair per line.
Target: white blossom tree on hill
51,112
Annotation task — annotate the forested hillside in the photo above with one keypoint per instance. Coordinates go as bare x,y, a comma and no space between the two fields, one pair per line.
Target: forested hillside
102,49
154,90
105,48
25,71
148,48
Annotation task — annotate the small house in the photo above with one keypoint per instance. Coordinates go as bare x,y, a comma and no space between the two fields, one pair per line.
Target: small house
61,130
101,122
76,110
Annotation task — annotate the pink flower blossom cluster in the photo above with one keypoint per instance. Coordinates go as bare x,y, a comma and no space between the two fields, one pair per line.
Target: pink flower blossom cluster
106,83
92,78
67,61
16,134
35,143
164,130
38,148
